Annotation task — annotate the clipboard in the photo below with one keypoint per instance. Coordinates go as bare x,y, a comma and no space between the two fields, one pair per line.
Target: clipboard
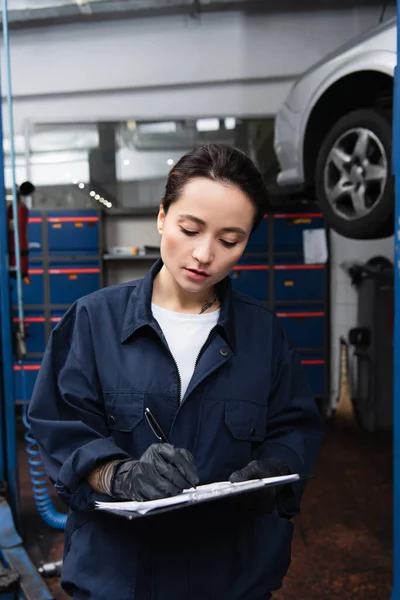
200,495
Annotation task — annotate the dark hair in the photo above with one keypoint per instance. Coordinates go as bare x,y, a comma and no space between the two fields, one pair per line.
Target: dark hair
222,163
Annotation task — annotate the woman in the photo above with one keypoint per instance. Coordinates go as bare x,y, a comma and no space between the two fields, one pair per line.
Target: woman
222,380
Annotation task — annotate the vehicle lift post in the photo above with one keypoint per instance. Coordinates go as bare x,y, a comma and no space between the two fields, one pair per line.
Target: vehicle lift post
16,568
396,397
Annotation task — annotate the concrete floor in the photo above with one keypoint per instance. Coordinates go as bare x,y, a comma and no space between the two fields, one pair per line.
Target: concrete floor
342,548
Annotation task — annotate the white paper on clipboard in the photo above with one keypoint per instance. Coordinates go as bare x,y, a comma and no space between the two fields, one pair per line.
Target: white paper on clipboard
198,494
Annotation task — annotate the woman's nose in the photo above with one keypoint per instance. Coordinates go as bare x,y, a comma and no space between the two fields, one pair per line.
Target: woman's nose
203,252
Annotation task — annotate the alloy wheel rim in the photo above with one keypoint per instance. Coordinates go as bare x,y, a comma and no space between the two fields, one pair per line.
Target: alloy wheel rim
355,174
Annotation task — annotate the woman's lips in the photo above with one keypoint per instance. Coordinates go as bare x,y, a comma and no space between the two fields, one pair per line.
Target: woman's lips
196,275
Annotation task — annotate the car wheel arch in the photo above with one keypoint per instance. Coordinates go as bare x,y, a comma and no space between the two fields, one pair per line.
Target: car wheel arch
320,107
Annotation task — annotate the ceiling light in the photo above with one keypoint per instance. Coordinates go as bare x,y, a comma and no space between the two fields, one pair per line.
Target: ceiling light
170,161
97,197
126,162
230,123
92,193
81,186
131,124
74,181
157,127
207,124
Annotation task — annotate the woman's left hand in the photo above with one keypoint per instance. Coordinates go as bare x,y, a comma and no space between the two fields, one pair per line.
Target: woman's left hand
258,469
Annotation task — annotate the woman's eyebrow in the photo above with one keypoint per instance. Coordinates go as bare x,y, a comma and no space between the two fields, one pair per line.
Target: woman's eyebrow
233,230
193,218
223,230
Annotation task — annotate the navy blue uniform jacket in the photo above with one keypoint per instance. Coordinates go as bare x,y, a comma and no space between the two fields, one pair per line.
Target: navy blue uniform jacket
106,361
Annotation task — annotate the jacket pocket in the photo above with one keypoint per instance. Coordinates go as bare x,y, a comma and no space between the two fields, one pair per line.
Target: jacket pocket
124,410
246,420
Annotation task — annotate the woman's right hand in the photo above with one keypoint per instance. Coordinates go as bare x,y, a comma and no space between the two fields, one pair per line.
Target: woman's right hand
161,471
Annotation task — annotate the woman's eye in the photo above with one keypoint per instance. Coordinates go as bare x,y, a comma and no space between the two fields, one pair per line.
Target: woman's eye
228,244
188,232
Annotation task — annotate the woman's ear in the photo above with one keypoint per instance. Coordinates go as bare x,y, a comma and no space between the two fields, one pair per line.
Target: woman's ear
161,219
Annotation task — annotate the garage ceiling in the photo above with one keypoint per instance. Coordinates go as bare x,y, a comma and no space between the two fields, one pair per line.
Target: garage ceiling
33,12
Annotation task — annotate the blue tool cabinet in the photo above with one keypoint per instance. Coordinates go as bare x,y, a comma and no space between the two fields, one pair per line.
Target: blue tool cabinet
65,263
273,270
76,233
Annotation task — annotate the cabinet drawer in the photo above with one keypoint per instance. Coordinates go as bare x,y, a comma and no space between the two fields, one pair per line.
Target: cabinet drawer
35,225
32,293
314,366
24,382
251,280
34,331
73,233
288,230
68,283
305,329
258,240
299,282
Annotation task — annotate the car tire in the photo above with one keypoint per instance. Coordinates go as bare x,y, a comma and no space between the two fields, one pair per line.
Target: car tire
379,221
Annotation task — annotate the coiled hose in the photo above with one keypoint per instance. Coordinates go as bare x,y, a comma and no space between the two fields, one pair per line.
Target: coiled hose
39,481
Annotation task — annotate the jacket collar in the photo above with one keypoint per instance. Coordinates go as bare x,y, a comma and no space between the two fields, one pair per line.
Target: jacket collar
138,312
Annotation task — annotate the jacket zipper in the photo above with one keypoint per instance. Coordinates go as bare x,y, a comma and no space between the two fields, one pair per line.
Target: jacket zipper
165,344
210,335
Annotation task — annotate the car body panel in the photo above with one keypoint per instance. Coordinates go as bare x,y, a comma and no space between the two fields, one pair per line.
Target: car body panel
373,51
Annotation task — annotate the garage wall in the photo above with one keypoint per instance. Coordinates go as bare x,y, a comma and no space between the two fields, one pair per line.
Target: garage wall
229,63
344,295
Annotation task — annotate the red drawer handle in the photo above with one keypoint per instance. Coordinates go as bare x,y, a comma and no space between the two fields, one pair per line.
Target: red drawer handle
251,268
298,215
300,314
312,362
36,271
72,219
298,267
72,271
30,319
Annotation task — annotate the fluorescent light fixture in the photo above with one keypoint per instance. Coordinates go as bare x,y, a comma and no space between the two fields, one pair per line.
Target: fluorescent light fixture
157,127
230,123
207,124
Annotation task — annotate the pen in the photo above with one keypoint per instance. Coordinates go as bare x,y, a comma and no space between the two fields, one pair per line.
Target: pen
155,426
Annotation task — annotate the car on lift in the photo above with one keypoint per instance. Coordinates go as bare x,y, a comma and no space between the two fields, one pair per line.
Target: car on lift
333,135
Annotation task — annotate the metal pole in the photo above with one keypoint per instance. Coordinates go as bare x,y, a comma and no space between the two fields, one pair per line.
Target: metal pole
9,425
6,44
396,398
6,333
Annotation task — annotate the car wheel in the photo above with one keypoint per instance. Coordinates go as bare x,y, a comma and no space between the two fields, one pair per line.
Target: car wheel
353,180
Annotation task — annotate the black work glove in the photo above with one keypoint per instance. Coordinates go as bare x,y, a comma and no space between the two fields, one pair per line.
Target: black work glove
160,472
258,469
263,500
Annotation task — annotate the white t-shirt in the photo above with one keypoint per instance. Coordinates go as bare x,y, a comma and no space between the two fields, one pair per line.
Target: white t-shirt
185,334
